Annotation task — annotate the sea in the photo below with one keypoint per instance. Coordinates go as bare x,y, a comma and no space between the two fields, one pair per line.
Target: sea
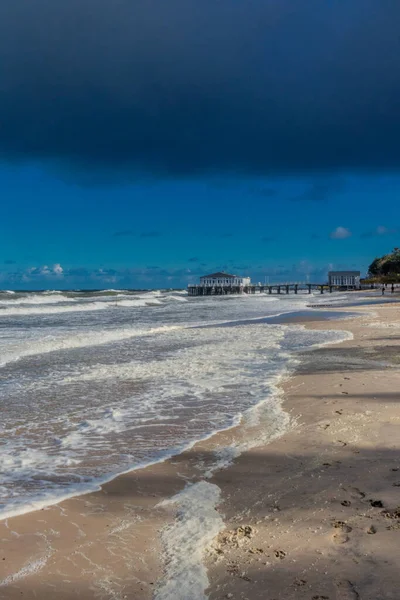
95,384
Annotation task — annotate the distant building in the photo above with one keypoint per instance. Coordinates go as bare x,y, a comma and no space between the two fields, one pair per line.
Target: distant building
220,283
224,279
345,279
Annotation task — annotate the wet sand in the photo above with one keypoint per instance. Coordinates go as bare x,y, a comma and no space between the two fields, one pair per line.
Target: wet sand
311,515
322,501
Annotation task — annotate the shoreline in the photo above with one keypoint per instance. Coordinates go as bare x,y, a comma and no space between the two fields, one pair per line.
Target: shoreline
299,318
124,514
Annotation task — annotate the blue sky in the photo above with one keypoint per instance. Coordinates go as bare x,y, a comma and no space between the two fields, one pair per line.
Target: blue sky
146,142
167,232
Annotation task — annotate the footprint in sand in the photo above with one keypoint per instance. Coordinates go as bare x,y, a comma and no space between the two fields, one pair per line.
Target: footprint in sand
345,590
376,503
342,525
354,493
340,536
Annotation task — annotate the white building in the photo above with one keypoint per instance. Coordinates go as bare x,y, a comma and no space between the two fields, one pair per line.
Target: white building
221,279
350,279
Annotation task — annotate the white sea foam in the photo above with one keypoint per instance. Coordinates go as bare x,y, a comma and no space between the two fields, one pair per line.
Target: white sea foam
195,525
202,375
28,569
383,325
209,366
51,310
197,522
80,339
50,298
175,298
138,301
268,413
49,496
319,298
41,304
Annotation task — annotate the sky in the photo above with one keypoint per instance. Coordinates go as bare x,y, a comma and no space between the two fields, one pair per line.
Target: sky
146,142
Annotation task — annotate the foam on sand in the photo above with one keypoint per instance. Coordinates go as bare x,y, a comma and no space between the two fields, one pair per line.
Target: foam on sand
25,571
196,524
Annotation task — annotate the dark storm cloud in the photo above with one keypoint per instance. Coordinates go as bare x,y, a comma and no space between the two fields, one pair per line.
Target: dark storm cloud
181,87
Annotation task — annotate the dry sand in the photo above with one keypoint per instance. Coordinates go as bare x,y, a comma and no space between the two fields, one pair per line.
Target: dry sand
311,515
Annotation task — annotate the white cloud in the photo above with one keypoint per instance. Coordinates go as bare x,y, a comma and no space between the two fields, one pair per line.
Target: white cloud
57,269
382,230
340,233
45,271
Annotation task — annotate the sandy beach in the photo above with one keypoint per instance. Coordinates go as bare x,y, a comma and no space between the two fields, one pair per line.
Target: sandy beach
313,514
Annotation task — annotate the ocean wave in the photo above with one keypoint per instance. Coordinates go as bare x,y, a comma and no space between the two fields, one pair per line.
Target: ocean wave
46,298
136,302
173,298
9,311
80,339
38,304
196,362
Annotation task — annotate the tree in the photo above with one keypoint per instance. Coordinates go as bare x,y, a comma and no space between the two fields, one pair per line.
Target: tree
373,269
386,266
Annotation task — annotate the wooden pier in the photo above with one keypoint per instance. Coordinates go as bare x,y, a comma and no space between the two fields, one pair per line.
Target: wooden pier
283,288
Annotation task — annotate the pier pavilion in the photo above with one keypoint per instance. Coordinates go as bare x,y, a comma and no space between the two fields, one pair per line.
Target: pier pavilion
345,279
224,279
220,283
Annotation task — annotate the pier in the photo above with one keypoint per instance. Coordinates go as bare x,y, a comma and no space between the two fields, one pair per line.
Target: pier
282,288
223,284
